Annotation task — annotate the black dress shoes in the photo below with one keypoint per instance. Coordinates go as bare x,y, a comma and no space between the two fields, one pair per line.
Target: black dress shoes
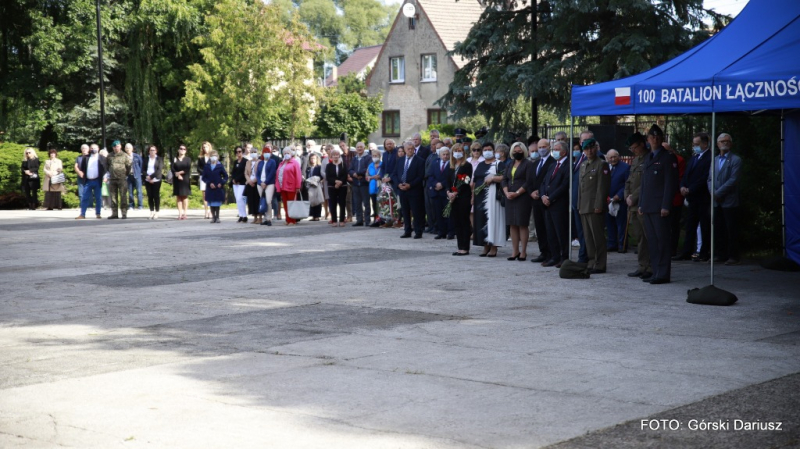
460,254
654,281
549,263
438,237
405,236
539,259
647,276
359,223
636,274
450,237
418,236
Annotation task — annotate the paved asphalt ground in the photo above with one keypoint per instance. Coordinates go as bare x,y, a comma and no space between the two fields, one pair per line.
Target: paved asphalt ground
183,334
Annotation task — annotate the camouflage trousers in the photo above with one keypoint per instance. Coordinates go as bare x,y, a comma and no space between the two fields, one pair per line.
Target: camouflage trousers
118,191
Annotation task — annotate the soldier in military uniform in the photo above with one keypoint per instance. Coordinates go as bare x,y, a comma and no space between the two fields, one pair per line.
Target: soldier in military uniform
119,167
594,184
659,184
636,143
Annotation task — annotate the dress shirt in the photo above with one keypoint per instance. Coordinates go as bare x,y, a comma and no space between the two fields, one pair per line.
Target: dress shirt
151,167
92,171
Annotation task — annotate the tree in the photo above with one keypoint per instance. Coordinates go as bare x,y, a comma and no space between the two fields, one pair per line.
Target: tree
348,109
252,68
578,42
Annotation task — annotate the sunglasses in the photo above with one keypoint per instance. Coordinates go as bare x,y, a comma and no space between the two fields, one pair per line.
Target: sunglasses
238,152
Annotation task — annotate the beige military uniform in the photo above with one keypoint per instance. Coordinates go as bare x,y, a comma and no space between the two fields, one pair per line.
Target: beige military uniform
635,221
593,188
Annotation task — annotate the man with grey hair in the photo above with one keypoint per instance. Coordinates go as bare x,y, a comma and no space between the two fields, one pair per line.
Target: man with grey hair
542,167
616,225
135,178
360,186
727,171
435,134
409,173
554,192
420,150
80,174
430,213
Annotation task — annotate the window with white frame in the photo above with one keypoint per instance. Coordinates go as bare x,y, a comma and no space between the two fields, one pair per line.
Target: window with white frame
397,69
428,67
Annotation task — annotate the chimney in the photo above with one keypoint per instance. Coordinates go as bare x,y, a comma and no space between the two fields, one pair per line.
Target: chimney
334,73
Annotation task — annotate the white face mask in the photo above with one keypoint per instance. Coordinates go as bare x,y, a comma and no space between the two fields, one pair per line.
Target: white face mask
458,155
376,159
534,155
488,154
286,157
213,159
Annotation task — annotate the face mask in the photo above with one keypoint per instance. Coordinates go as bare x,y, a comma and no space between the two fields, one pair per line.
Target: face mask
213,159
276,153
94,151
458,155
556,154
519,156
576,154
497,155
534,155
543,152
376,159
697,150
488,154
286,157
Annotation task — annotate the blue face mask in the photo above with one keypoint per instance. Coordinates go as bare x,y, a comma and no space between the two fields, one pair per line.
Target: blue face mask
576,154
697,150
556,154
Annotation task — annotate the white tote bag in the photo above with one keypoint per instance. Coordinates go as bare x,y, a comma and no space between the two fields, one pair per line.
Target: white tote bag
298,209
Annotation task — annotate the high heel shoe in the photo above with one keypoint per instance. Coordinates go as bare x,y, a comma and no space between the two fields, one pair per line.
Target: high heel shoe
513,257
522,259
483,255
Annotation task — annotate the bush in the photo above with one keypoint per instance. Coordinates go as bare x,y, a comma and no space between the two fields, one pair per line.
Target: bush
11,175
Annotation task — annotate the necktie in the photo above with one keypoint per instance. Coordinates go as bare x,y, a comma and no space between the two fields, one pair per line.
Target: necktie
405,170
555,171
721,162
539,167
442,169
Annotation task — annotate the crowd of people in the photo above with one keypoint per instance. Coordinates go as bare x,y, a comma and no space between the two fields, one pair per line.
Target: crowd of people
480,194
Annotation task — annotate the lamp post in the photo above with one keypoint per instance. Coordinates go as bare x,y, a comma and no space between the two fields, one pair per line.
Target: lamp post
544,9
100,72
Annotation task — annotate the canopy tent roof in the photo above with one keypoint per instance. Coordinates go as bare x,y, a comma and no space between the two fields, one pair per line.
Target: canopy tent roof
751,65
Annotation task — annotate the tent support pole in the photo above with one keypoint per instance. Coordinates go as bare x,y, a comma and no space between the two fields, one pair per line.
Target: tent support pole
571,170
713,188
783,184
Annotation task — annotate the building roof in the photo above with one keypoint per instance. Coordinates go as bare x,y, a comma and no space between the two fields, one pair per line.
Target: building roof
452,20
355,63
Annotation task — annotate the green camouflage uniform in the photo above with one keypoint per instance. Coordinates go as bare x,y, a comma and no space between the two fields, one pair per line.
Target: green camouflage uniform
119,167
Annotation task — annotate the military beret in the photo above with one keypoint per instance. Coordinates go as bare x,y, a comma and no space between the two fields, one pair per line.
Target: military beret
588,143
635,138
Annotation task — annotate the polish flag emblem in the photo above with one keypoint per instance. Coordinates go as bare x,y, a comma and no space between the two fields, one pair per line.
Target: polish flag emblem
622,96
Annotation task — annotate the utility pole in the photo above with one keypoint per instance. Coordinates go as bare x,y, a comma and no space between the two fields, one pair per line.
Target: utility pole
100,71
534,103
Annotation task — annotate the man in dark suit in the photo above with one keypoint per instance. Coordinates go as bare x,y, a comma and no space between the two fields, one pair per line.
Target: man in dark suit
659,184
727,170
430,216
410,172
554,192
94,168
437,176
360,185
420,150
617,224
544,164
695,190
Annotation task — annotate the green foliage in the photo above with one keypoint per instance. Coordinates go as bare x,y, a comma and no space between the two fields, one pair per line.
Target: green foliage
353,113
11,173
251,69
579,42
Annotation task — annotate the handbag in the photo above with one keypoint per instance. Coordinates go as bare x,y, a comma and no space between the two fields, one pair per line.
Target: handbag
58,179
169,177
298,209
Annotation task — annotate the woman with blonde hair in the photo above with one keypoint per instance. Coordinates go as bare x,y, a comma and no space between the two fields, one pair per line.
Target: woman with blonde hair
518,183
202,160
53,167
30,177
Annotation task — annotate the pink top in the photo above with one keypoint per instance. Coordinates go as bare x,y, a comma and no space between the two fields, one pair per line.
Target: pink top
291,180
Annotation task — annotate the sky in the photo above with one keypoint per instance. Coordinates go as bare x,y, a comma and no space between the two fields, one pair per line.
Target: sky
729,7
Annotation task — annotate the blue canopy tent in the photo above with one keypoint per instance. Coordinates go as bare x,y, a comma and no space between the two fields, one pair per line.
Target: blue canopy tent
752,65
